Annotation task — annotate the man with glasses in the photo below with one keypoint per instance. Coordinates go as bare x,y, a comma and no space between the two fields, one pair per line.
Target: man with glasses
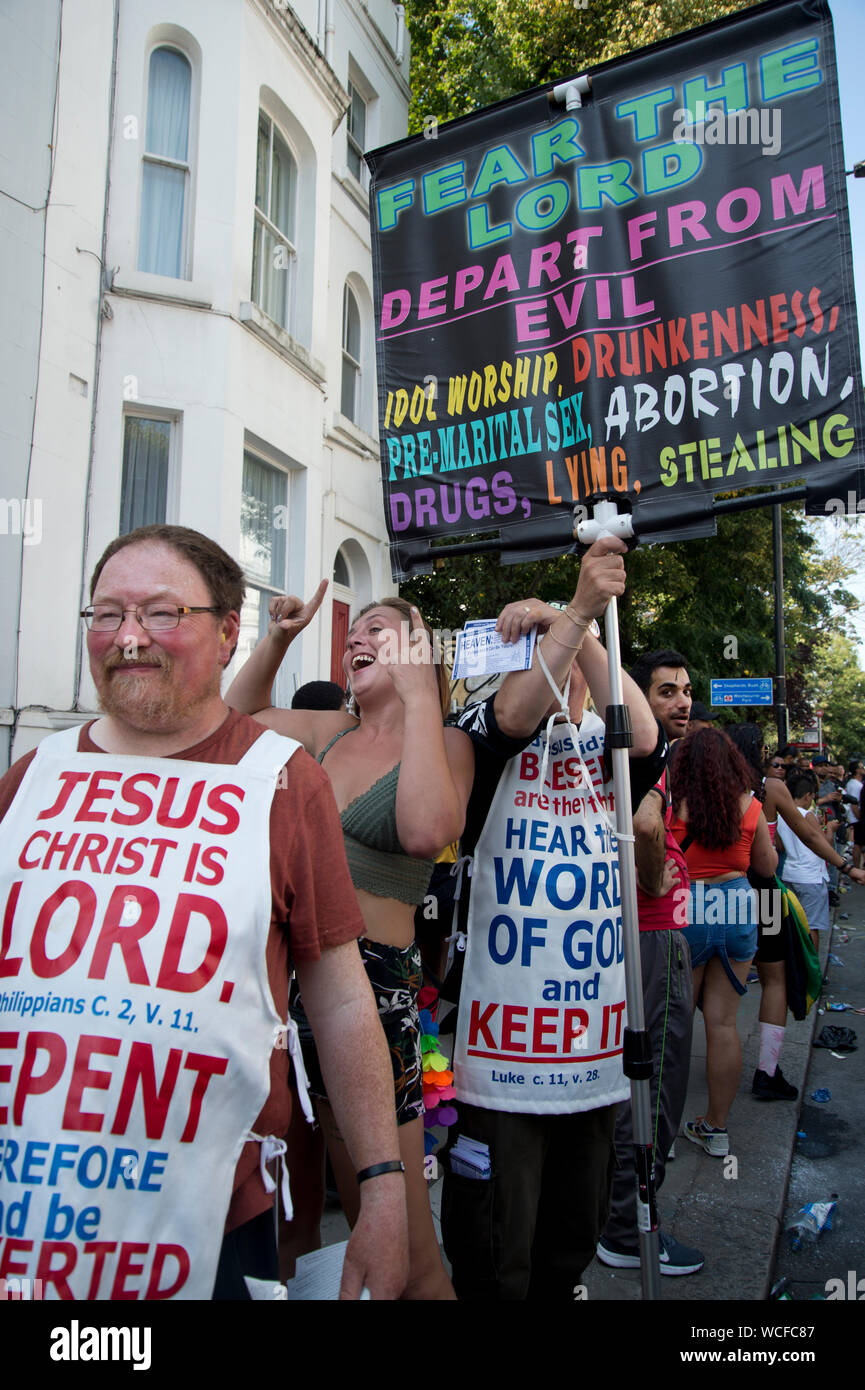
165,867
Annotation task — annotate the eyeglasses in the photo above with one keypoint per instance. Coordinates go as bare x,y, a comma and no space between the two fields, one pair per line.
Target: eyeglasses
778,765
153,617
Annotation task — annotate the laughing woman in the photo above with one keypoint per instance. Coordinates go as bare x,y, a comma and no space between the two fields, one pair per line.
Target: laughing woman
401,781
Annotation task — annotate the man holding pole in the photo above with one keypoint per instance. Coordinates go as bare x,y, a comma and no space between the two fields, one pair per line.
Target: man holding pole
538,1061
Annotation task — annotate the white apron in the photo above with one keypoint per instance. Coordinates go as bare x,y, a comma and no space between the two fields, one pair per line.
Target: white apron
542,1002
136,1017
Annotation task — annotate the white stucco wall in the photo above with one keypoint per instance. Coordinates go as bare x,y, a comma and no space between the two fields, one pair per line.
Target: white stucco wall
193,351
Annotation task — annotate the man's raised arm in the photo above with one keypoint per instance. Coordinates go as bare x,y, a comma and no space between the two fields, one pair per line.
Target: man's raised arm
525,696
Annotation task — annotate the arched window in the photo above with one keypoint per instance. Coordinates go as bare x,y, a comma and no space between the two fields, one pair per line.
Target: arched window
351,346
274,253
165,171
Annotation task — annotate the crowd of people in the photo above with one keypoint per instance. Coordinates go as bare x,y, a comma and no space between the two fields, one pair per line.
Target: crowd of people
192,870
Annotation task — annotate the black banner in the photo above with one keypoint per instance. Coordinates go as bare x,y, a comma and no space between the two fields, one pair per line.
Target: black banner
648,297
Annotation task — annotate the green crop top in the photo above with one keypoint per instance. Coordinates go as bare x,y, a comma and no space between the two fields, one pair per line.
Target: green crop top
376,860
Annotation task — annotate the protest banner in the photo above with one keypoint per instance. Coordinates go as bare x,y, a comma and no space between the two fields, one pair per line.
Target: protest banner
646,298
548,1036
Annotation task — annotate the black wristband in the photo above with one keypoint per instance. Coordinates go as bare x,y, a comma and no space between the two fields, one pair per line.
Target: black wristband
395,1165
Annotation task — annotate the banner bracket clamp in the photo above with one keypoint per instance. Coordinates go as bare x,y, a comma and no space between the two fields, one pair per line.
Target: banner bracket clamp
573,91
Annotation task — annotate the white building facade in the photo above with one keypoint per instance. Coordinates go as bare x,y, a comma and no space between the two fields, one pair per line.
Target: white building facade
190,328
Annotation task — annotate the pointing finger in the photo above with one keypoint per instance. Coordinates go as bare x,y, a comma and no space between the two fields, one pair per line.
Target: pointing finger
315,602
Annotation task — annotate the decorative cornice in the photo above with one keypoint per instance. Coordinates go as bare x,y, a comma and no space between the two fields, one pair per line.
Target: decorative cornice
285,21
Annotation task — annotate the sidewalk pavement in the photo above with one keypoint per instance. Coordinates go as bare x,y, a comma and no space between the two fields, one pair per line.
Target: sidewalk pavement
734,1213
736,1220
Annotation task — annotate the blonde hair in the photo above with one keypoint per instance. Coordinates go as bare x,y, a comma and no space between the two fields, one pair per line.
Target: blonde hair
401,606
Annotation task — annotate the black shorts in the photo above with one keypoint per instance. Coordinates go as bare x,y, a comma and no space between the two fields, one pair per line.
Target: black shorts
396,975
771,926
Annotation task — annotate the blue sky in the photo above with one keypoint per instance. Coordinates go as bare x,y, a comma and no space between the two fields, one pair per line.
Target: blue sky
849,21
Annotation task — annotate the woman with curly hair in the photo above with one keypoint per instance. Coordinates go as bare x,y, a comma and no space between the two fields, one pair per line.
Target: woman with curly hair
722,831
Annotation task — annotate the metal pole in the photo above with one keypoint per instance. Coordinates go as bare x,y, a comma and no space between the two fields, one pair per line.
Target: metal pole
637,1057
637,1060
781,715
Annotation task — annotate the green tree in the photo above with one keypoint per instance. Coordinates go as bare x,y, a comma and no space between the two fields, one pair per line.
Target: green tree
713,599
470,53
842,697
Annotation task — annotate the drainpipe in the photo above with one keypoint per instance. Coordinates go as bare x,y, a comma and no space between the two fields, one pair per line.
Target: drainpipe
100,318
329,28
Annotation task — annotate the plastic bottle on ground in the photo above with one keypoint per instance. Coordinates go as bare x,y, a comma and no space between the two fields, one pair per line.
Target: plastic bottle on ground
809,1221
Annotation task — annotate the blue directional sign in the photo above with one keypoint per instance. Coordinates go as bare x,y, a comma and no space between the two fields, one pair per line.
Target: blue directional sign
744,691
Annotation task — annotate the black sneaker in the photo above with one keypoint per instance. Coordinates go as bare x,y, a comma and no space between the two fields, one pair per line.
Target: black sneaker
767,1087
673,1258
677,1258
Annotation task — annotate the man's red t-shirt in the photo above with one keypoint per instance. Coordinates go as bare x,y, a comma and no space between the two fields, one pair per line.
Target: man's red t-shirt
314,905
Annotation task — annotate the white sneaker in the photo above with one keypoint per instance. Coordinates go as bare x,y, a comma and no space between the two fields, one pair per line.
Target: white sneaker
715,1142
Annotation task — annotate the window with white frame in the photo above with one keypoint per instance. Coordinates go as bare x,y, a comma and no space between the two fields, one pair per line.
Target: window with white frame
263,527
350,394
274,254
144,485
165,169
356,136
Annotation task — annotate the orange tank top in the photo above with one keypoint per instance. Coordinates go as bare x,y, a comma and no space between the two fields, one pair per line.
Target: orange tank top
712,863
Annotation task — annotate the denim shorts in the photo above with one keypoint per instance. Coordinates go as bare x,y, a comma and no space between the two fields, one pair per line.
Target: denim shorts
722,921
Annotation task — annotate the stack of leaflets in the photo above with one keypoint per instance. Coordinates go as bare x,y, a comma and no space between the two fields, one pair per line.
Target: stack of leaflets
470,1159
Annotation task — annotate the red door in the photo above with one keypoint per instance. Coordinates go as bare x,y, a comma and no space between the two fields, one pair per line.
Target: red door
338,639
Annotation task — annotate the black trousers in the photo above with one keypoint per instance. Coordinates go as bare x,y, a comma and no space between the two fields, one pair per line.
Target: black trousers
668,992
531,1230
248,1249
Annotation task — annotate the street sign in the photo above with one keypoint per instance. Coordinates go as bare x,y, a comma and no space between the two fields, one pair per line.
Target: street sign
744,691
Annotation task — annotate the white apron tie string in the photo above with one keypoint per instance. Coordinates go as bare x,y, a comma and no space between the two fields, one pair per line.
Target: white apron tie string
458,868
458,939
271,1147
585,782
300,1076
